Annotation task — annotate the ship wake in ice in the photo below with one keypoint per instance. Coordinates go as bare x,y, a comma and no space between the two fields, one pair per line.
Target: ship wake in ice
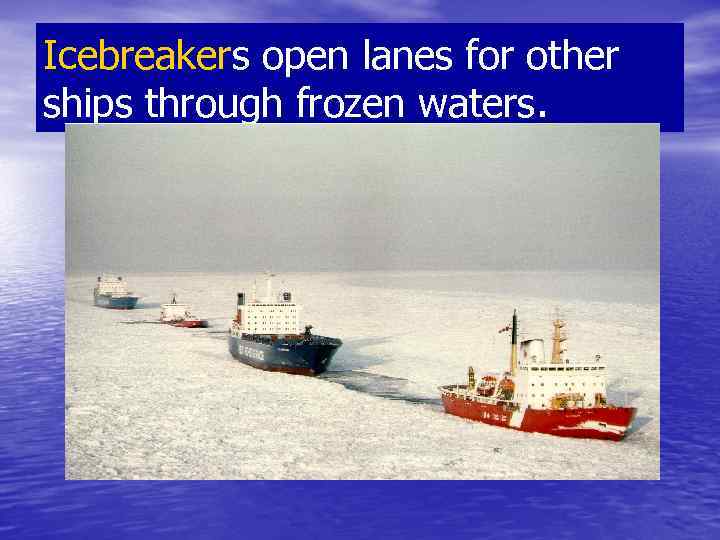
157,401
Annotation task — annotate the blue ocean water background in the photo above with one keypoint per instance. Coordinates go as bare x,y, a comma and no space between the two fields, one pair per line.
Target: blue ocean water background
36,501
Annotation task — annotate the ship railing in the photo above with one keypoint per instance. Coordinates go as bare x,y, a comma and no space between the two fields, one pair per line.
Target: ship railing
461,392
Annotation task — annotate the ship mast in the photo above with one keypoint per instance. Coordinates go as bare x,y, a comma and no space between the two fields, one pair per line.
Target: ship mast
559,336
513,348
270,276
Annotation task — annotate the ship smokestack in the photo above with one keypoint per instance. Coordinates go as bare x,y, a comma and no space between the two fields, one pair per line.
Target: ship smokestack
513,349
240,303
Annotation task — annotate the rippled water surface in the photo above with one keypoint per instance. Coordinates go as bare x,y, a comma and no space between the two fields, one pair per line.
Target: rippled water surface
36,501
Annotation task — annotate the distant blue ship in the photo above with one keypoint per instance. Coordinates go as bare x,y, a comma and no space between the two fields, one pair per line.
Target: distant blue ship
112,293
265,335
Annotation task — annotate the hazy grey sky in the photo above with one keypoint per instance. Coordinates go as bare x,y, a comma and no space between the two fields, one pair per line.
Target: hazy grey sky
344,197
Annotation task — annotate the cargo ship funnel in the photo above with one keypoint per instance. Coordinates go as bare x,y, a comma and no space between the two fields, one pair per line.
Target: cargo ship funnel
240,304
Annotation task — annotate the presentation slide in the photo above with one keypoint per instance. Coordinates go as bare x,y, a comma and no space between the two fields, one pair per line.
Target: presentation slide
350,269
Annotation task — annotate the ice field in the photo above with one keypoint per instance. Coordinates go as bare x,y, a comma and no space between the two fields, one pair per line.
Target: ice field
152,401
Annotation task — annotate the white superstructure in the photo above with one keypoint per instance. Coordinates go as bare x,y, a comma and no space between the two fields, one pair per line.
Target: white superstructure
174,311
111,286
538,380
275,314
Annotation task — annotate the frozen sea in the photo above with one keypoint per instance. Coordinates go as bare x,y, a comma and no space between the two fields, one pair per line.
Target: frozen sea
148,401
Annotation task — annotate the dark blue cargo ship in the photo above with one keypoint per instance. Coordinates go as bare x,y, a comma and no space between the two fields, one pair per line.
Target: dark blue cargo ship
303,354
265,335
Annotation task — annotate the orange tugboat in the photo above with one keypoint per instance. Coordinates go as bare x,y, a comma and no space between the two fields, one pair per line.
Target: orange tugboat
559,397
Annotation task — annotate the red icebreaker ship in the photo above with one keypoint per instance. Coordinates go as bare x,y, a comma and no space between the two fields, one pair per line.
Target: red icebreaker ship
559,397
176,314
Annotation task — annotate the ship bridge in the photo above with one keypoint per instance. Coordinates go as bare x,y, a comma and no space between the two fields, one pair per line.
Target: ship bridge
275,314
542,381
111,285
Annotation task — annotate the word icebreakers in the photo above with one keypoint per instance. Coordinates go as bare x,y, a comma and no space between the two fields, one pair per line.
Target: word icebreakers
180,56
109,58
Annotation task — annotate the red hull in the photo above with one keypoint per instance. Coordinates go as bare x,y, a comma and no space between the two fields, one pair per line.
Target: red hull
610,423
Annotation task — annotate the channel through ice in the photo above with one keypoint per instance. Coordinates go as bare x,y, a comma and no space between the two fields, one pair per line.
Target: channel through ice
153,401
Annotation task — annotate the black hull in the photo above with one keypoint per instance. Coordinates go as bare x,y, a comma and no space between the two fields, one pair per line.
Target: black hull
309,356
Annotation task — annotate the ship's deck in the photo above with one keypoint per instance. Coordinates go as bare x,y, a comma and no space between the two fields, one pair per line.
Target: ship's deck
291,339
